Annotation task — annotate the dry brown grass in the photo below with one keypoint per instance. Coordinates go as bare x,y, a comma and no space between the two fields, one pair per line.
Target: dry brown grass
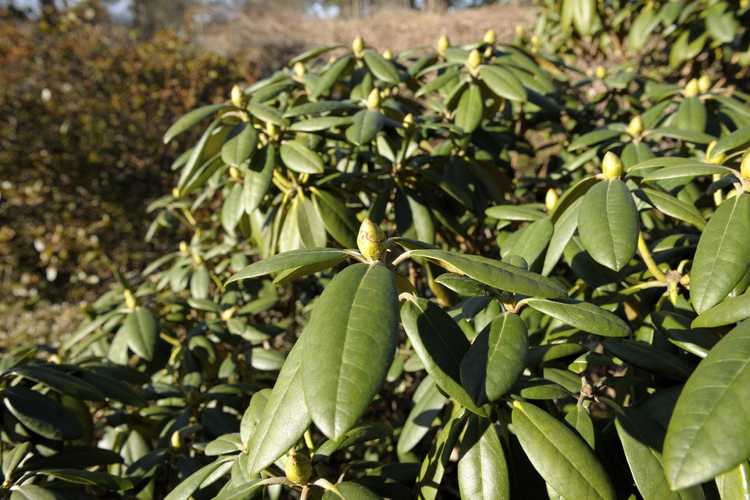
270,36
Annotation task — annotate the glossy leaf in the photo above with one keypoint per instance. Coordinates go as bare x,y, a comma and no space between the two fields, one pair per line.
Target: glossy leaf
440,344
495,359
723,254
560,457
284,417
482,470
353,351
582,315
495,274
707,433
289,260
301,159
608,224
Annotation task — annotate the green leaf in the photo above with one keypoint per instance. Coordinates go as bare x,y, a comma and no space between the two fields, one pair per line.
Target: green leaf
531,241
503,83
310,224
470,108
736,141
301,159
193,482
258,178
89,478
582,315
58,380
734,484
674,207
495,274
560,457
726,312
365,126
422,416
200,282
693,169
266,114
594,137
331,75
318,107
683,135
648,357
382,68
691,115
608,224
338,219
482,470
440,344
723,254
646,466
514,213
285,416
237,150
320,123
33,492
233,208
190,119
141,332
253,414
707,433
352,332
563,231
41,414
288,260
349,490
496,359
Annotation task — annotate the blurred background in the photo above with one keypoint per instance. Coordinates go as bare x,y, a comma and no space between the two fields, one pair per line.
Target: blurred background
87,89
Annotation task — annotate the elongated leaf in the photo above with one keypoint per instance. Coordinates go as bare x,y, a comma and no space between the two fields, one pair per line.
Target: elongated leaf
365,126
258,178
190,119
331,75
514,213
482,470
288,260
339,221
233,208
737,140
470,108
726,312
560,457
674,207
320,123
440,344
422,415
594,137
502,82
141,332
495,274
41,414
496,359
563,231
193,482
687,170
352,332
735,483
349,490
608,224
707,433
723,254
301,159
237,150
60,381
646,466
285,416
531,241
582,315
382,68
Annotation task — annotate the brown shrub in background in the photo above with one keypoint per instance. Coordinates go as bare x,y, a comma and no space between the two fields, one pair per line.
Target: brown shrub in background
83,108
